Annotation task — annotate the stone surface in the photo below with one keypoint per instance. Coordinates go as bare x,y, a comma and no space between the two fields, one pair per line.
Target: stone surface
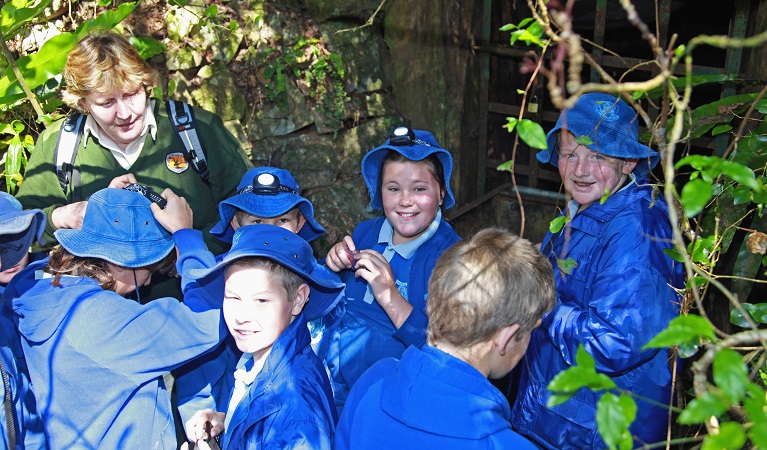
218,92
361,50
323,10
275,119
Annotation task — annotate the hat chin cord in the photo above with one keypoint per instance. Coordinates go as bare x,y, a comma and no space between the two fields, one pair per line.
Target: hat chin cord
135,283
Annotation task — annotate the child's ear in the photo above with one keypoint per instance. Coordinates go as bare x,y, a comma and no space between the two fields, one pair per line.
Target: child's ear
234,222
441,196
301,221
503,337
300,299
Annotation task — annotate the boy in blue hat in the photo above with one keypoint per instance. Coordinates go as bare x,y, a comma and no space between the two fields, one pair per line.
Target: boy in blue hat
18,230
282,395
387,261
97,359
265,195
620,292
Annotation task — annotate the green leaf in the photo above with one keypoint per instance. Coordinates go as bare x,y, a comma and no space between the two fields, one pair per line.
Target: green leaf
673,254
511,123
556,225
508,166
683,329
566,266
730,374
742,195
211,11
532,134
104,2
761,106
730,437
147,47
568,382
614,416
720,129
508,27
758,313
702,408
583,140
695,196
699,281
758,434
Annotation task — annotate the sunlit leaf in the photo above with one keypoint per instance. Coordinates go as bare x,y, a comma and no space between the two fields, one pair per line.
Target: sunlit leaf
730,436
508,166
532,134
730,374
556,225
583,140
702,408
566,266
568,382
511,123
614,416
695,196
685,328
147,47
758,434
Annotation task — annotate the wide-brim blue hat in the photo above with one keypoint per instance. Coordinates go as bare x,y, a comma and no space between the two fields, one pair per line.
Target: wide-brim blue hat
266,205
18,230
118,227
424,145
290,251
610,123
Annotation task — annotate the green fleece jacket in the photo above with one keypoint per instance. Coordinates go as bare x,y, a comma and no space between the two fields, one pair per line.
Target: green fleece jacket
226,163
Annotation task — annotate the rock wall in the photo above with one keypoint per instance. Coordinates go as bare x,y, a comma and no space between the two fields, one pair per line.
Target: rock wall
406,64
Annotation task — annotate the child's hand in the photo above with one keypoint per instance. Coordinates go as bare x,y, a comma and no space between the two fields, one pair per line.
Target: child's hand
342,255
375,269
177,213
205,424
122,181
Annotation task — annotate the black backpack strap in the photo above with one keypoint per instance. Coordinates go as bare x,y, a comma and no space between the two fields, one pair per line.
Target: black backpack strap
182,119
66,150
10,411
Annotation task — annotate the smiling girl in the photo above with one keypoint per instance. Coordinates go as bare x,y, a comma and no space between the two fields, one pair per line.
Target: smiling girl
387,261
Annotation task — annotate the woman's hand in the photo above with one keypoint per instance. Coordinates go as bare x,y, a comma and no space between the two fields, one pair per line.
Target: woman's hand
69,216
205,425
122,181
177,214
342,255
375,269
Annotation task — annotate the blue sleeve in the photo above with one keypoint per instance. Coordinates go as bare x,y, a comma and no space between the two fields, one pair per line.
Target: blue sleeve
627,303
413,330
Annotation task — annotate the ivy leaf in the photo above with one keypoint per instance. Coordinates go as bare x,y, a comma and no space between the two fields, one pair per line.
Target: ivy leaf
721,129
569,381
532,134
730,374
508,166
730,437
556,225
758,313
702,408
695,196
566,266
147,47
583,140
511,123
683,329
614,416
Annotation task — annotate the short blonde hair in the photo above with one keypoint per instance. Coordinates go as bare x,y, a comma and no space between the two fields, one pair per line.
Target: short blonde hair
101,63
479,286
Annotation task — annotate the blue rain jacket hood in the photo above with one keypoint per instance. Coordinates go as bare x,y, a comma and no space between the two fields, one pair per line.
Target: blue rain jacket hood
290,403
613,302
428,399
96,359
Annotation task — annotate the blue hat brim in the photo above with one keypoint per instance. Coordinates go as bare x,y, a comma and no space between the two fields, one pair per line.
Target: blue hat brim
616,136
279,245
371,168
86,244
266,206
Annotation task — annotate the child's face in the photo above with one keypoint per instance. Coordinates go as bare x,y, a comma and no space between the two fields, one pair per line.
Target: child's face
7,275
257,309
292,220
411,197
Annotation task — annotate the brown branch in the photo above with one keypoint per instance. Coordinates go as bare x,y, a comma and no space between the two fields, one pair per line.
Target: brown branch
20,78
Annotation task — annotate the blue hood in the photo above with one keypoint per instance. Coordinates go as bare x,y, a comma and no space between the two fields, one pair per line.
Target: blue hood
414,385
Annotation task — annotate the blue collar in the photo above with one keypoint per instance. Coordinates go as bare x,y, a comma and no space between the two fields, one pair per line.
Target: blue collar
408,249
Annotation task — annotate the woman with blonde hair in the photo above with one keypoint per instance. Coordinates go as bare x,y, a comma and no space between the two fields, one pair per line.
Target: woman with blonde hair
125,133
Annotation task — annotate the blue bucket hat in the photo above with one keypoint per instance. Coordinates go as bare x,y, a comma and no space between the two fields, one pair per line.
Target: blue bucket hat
266,192
612,126
290,251
414,145
18,230
118,227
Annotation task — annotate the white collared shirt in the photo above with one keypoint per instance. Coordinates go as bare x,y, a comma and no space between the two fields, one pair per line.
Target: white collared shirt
244,375
126,158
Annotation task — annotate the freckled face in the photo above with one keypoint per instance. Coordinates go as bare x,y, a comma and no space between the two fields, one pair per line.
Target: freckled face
411,197
588,175
120,114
